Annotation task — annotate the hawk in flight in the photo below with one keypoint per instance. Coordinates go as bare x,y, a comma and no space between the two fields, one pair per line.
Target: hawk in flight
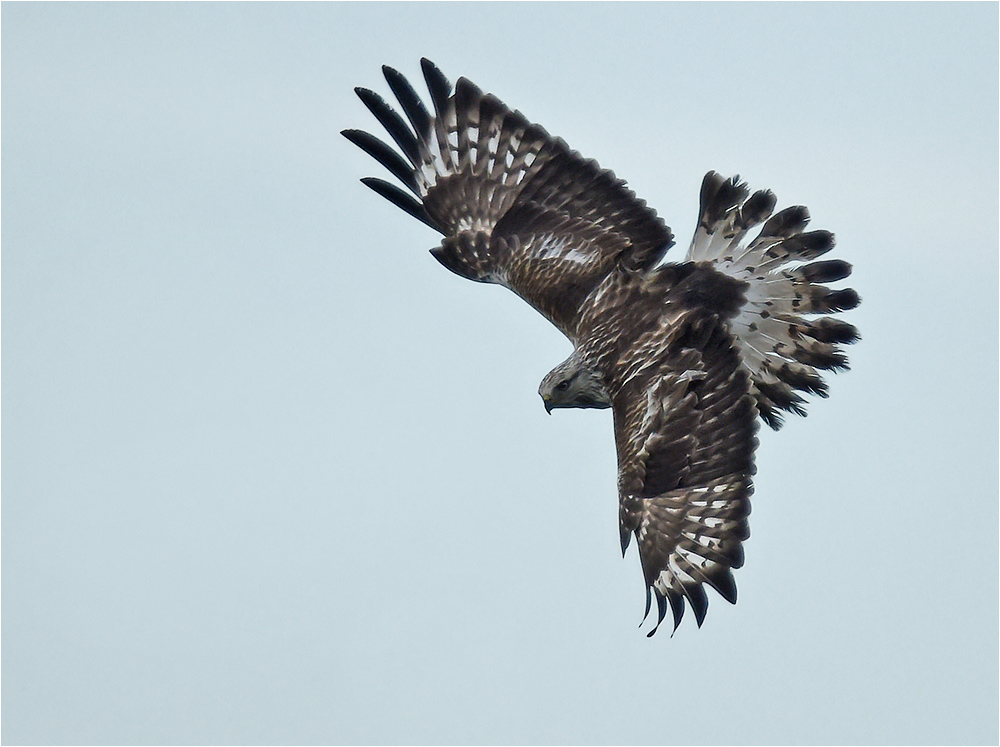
686,355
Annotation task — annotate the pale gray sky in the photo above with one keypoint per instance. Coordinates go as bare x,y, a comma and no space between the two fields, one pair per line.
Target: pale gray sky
272,475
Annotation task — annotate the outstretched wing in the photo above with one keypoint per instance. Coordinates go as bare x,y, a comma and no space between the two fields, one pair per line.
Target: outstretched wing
516,206
685,430
782,349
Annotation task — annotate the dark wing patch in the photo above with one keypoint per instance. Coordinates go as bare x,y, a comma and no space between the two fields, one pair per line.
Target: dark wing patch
516,206
685,430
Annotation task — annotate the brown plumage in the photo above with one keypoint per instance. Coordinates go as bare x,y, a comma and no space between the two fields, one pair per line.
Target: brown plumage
686,355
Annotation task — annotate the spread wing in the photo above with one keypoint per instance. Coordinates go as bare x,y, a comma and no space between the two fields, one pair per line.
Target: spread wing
516,206
685,431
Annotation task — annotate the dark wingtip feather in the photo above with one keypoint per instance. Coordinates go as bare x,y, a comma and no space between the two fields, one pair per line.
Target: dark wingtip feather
437,84
661,612
369,98
400,199
699,601
735,556
392,122
676,607
723,582
413,107
466,92
385,155
490,107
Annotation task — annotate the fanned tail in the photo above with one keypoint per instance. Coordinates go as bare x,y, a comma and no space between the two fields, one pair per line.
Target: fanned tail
783,351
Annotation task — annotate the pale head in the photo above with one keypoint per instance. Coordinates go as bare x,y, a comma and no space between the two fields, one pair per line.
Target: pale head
571,384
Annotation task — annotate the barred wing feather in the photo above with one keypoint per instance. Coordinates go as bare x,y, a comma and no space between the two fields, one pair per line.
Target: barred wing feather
516,206
686,435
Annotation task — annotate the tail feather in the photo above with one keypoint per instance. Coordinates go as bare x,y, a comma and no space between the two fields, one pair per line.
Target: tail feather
830,330
782,349
787,222
827,271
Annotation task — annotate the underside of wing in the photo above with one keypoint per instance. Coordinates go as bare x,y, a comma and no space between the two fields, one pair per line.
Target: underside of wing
685,431
516,206
783,331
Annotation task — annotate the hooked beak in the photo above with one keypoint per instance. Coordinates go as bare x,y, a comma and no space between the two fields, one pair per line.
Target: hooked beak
548,405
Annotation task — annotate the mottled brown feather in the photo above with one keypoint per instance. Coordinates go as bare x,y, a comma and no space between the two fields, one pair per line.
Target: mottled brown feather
687,355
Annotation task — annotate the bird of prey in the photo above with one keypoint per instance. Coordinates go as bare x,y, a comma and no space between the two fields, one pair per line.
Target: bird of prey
686,355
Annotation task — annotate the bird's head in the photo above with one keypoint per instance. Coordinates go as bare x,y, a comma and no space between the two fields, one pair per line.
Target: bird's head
570,384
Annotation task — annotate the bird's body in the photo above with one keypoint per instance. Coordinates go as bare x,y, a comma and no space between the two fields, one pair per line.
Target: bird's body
685,354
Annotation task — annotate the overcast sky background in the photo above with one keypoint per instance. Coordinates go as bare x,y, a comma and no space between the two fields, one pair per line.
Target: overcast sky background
273,475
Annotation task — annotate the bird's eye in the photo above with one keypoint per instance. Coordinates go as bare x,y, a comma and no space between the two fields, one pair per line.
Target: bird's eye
562,386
